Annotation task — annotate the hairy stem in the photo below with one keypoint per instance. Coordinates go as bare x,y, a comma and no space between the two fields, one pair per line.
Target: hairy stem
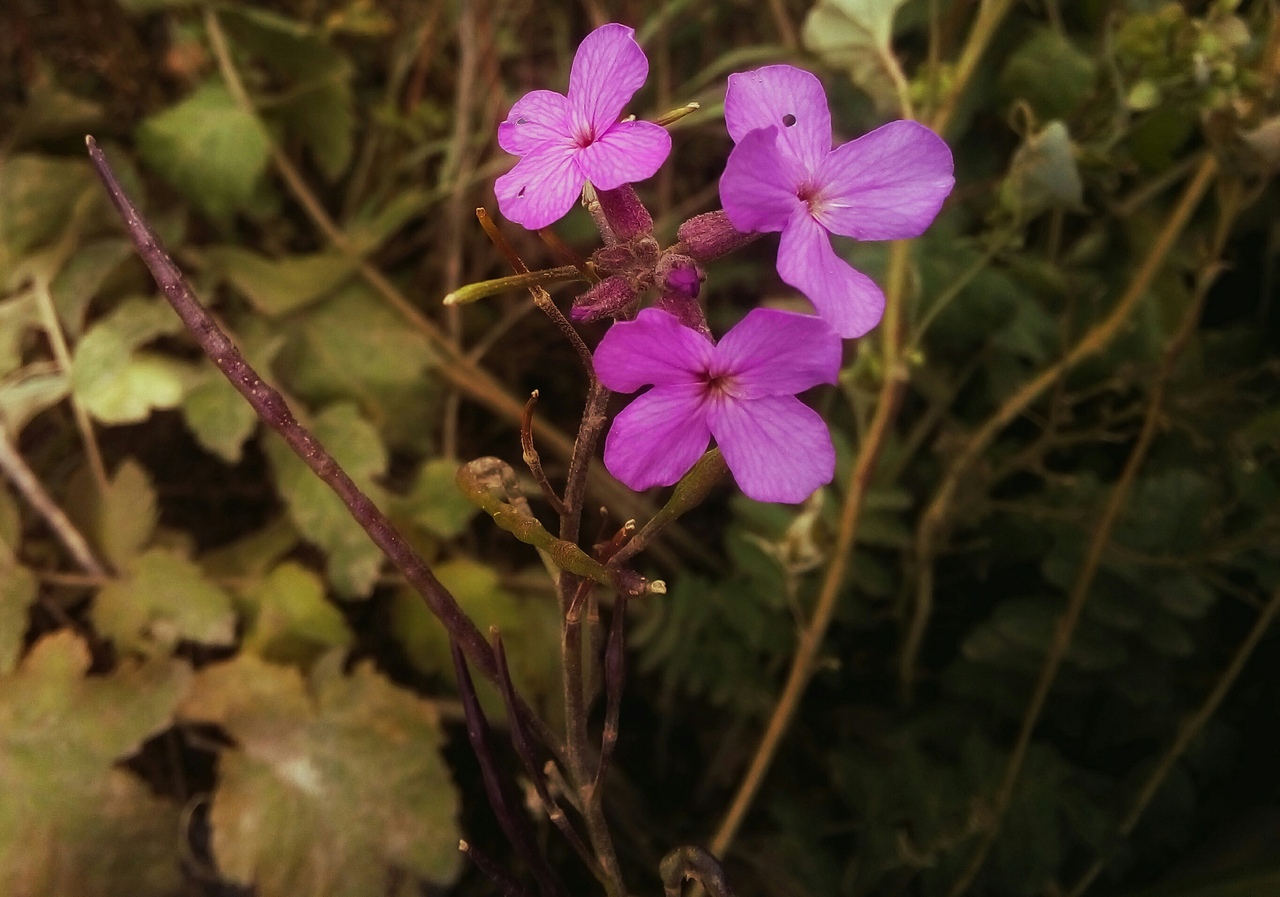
275,413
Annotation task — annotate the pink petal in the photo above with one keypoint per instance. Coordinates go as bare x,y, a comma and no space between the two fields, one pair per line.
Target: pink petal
778,353
542,187
538,117
777,448
658,437
847,299
654,348
785,97
629,151
608,69
886,185
760,182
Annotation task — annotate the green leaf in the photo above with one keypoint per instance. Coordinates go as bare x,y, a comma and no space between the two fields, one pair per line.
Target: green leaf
18,317
321,517
281,286
71,823
120,522
115,381
291,620
855,35
209,149
530,629
163,600
37,197
26,395
434,501
1043,175
219,417
334,783
80,280
1049,72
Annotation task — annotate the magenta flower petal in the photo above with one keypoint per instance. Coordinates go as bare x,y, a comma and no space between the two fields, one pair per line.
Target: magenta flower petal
542,187
654,349
778,353
629,151
776,447
848,300
658,437
886,185
540,116
760,184
785,97
608,69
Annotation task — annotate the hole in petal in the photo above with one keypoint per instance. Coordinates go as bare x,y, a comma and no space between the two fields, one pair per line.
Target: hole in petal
788,119
522,121
520,195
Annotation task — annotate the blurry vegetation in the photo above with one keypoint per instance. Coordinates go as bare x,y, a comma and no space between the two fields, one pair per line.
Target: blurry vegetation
1038,678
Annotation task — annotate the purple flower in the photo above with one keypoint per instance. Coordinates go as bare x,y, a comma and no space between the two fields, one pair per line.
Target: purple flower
741,391
566,141
784,176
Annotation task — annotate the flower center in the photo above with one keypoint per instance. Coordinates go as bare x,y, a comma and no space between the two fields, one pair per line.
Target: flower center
584,136
811,196
718,385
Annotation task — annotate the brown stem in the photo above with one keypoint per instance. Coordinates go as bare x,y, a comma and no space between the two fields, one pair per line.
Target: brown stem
532,459
274,412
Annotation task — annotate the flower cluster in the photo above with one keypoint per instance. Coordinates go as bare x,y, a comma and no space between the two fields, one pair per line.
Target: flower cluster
782,176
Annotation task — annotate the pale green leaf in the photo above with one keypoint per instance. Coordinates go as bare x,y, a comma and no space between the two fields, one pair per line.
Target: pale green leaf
1043,174
321,517
163,599
530,629
121,522
26,395
208,148
37,196
10,519
434,501
81,279
855,35
115,381
291,621
280,286
18,589
333,783
19,316
1049,72
71,823
219,417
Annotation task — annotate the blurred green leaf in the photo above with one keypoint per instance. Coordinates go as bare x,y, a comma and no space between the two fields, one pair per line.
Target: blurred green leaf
115,381
120,522
333,783
1049,72
854,35
18,589
25,395
290,620
219,416
353,560
71,822
530,630
19,316
281,286
208,148
434,502
82,278
163,599
37,196
1043,175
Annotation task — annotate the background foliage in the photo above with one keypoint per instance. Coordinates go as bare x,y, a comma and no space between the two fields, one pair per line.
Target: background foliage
224,686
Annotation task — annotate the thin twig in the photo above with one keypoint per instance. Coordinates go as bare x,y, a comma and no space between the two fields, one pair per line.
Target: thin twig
1064,630
934,516
26,482
805,660
62,354
275,413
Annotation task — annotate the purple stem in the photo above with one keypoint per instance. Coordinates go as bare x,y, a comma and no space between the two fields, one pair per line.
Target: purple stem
274,412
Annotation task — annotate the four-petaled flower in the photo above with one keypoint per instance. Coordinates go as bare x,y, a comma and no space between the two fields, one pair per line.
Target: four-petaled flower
564,141
742,391
783,175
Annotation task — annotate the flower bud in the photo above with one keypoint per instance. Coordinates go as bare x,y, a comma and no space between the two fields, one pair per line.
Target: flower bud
681,280
711,235
604,300
625,213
